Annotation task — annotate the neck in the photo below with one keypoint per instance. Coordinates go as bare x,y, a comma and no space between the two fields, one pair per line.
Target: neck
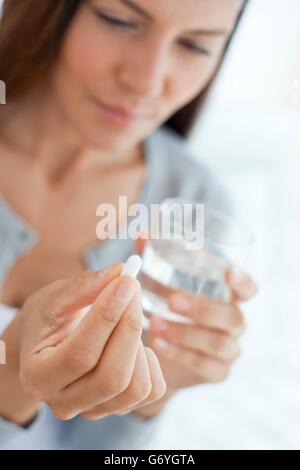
40,130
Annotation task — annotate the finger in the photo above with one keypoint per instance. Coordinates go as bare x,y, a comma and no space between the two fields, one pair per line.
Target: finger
208,313
114,371
81,351
242,285
67,295
199,367
213,343
159,386
138,389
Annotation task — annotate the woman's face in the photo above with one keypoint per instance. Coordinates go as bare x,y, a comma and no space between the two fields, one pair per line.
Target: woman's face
147,57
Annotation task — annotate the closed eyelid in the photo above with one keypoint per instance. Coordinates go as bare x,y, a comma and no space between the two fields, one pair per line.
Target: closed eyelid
207,50
112,17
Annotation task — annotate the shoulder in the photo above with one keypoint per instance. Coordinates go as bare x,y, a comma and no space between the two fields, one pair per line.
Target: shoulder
186,175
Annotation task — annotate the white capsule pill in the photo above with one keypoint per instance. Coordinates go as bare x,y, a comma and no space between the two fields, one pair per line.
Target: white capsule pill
132,266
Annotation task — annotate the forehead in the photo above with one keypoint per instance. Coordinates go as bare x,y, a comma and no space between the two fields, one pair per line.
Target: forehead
188,14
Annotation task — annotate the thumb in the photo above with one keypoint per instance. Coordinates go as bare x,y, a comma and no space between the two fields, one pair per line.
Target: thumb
52,313
76,293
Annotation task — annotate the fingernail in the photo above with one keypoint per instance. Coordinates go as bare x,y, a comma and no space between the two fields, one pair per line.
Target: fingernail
159,324
180,303
125,290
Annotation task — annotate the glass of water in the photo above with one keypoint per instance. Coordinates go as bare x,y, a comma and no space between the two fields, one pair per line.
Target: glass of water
192,254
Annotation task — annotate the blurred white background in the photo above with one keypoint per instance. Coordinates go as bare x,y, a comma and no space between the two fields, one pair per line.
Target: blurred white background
250,134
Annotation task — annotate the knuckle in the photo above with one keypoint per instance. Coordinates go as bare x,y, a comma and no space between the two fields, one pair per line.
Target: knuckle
218,342
117,382
79,360
159,389
225,347
106,315
139,389
103,388
134,322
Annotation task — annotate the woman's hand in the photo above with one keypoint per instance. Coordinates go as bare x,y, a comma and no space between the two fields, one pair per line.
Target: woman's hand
90,364
202,351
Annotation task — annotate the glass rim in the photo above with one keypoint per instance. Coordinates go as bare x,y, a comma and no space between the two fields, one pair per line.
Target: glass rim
228,219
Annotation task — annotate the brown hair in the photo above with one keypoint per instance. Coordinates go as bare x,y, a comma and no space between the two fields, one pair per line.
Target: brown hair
31,32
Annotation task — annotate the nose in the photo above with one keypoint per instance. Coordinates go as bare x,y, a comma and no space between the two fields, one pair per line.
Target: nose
144,70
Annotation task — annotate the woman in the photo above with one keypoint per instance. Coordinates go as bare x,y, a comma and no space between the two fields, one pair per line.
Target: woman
89,86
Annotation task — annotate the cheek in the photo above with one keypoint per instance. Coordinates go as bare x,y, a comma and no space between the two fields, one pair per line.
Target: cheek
84,59
192,74
189,81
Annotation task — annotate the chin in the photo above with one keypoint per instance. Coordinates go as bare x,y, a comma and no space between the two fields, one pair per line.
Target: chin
106,139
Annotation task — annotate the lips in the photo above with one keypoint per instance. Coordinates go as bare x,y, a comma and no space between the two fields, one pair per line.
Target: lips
125,112
120,115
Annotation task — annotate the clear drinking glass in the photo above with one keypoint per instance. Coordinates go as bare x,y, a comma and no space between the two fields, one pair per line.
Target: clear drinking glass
179,262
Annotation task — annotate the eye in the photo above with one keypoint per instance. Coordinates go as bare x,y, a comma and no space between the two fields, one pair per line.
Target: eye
116,22
196,48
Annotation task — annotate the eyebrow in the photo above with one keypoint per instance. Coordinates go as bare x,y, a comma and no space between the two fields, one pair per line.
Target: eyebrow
209,32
